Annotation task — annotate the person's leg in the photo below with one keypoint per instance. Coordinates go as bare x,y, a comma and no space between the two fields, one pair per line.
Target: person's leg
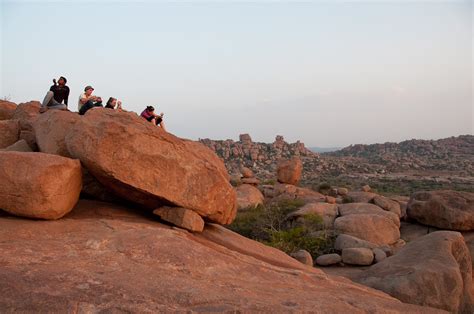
162,124
88,105
47,99
153,120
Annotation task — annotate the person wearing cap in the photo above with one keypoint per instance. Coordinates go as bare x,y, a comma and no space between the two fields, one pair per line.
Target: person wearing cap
57,94
149,115
88,101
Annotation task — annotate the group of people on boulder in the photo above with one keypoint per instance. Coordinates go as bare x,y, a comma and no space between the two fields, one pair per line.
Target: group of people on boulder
58,94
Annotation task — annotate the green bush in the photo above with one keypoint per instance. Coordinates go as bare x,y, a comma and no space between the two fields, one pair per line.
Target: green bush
268,224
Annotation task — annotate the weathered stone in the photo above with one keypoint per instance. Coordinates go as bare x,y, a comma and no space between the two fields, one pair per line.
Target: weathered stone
9,132
345,241
365,208
357,256
181,217
366,188
373,228
379,255
51,128
289,171
388,204
434,270
251,181
303,257
248,196
144,164
38,185
360,197
20,146
342,191
443,209
328,259
247,173
107,258
7,108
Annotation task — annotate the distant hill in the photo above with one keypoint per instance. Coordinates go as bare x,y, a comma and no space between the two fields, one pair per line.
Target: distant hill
323,149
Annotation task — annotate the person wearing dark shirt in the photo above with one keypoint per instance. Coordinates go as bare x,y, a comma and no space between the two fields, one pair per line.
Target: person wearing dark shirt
57,94
113,103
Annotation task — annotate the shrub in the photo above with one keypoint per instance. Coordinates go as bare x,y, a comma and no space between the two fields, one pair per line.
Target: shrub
268,224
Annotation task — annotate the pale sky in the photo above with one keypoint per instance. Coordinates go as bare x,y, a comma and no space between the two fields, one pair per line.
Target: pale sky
326,73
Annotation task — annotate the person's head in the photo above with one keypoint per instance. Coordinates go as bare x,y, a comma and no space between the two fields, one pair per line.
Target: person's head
112,102
150,108
62,81
88,90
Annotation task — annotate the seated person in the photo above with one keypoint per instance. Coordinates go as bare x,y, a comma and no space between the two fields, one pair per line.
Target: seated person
113,103
57,94
88,101
149,115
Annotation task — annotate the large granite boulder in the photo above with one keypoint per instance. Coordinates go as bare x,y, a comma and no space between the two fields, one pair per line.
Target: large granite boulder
107,258
443,209
9,132
38,185
7,108
366,208
372,228
434,270
289,171
248,196
143,164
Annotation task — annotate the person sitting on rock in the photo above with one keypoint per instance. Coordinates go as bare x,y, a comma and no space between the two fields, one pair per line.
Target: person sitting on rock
149,115
88,101
113,103
57,94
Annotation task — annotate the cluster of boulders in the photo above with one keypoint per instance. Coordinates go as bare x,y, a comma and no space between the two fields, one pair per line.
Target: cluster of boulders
49,159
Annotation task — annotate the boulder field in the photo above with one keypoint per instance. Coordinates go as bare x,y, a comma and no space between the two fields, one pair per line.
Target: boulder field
108,258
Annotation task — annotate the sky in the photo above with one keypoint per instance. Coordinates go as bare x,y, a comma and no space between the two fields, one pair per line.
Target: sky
327,73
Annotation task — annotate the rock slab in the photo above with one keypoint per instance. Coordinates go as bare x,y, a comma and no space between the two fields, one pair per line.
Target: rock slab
38,185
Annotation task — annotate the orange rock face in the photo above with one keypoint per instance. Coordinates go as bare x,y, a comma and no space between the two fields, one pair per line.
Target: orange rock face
38,185
289,171
434,270
9,132
443,209
7,109
106,258
144,164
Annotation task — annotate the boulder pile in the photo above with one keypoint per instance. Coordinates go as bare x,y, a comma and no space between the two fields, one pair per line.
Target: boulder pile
121,155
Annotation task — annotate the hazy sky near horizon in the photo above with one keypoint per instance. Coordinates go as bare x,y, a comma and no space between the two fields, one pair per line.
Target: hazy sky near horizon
326,73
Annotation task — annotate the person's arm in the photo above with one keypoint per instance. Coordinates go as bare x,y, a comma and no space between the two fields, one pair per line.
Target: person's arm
83,100
67,96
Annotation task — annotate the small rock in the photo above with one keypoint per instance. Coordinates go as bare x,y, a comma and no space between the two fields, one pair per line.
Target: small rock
181,217
330,200
246,172
20,146
289,171
342,191
345,241
379,255
358,256
366,188
303,256
328,259
388,204
251,181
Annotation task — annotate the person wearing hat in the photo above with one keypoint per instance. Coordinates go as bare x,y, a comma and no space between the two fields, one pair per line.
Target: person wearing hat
88,101
57,94
149,115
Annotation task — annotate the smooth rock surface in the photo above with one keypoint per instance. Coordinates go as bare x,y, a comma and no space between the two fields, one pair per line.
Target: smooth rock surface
357,256
373,228
328,259
20,146
248,196
7,108
345,241
289,171
443,209
303,257
38,185
145,165
365,208
9,132
388,204
434,270
181,217
106,258
327,212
